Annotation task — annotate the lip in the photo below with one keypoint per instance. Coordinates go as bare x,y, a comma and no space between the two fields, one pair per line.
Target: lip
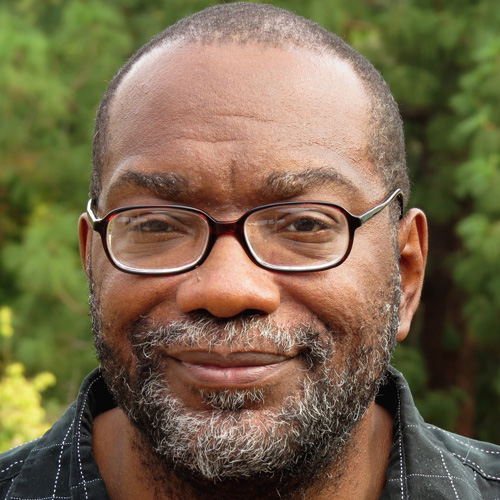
231,370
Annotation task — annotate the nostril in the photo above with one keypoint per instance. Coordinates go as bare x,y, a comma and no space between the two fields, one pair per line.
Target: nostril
228,283
202,315
225,297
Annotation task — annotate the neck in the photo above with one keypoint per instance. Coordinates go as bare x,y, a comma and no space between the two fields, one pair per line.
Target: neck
130,471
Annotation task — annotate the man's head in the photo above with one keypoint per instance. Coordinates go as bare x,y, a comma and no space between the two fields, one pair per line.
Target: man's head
231,371
270,26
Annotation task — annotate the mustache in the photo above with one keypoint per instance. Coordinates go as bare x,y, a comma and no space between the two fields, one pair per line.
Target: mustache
247,333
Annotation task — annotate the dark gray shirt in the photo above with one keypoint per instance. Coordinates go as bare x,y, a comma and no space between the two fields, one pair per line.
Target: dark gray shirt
425,462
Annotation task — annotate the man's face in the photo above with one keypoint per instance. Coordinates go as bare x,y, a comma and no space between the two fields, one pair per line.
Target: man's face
231,361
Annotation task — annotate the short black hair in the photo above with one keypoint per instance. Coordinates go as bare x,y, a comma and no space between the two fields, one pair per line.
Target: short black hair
244,22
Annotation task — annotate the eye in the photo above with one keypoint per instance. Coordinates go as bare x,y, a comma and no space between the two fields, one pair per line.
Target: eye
310,226
306,224
154,224
153,227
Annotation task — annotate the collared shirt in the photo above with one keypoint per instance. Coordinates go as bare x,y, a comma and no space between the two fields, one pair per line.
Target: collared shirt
425,462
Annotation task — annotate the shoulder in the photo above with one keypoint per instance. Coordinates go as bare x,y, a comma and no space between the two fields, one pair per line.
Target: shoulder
11,463
60,464
480,459
37,455
429,462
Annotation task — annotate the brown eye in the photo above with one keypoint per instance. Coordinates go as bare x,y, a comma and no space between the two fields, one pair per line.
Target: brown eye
305,224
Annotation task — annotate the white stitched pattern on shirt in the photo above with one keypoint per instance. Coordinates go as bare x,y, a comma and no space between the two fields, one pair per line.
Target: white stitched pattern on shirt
59,462
449,475
40,498
11,465
463,442
400,442
483,473
83,482
98,480
434,476
10,487
26,443
49,447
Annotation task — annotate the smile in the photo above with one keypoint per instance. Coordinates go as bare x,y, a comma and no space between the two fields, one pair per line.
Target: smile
241,369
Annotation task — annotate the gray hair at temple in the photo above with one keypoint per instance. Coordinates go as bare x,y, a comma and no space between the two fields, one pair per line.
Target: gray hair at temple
265,24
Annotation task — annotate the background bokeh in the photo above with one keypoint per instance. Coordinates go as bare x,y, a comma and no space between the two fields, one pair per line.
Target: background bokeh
442,61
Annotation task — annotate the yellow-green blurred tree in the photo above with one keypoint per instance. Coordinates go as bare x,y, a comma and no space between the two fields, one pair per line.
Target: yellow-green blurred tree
22,416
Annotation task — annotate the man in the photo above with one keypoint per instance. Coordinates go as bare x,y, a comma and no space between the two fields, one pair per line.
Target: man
244,319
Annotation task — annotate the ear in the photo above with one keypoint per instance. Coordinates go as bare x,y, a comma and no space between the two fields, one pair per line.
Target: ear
413,243
85,238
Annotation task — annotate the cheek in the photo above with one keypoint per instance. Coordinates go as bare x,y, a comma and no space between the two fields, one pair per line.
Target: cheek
123,298
327,298
344,297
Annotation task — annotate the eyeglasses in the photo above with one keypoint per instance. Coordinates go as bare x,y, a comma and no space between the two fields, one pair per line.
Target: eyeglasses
297,236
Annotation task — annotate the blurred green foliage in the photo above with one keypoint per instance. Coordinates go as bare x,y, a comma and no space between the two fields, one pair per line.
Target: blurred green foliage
21,413
442,61
22,416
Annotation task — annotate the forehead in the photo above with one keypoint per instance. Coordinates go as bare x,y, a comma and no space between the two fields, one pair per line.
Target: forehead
232,115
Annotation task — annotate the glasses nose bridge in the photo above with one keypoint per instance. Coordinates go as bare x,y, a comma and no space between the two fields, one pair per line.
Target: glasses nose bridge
232,228
224,227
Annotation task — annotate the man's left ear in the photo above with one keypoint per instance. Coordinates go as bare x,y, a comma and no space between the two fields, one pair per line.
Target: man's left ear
413,242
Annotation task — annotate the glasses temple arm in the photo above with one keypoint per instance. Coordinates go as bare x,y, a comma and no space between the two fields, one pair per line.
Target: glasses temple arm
375,210
90,213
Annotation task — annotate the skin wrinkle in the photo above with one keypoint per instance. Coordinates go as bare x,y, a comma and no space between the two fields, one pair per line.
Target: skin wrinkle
278,185
246,116
312,176
291,184
268,27
169,185
177,112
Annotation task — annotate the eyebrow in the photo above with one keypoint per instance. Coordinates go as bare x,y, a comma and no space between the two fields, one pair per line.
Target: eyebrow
278,185
289,184
168,185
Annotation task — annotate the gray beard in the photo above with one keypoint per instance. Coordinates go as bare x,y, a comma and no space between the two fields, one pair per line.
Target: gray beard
236,438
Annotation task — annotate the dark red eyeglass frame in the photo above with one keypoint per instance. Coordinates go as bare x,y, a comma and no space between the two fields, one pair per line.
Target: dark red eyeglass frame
236,229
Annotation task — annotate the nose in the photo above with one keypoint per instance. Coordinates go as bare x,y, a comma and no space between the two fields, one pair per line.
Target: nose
228,283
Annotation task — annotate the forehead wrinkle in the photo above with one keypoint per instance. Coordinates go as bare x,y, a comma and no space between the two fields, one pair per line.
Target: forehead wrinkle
289,184
169,185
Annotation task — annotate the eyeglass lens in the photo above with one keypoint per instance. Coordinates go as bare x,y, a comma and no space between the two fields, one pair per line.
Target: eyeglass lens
286,236
298,236
157,239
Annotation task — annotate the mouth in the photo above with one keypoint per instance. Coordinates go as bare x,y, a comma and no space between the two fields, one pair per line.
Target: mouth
231,370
